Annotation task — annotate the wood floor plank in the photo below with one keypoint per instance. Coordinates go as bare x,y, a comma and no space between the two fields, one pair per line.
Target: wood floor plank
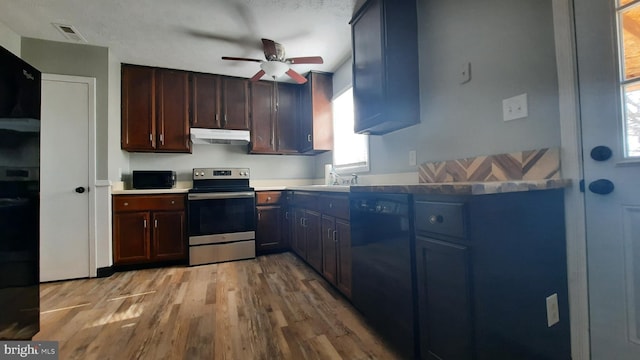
271,307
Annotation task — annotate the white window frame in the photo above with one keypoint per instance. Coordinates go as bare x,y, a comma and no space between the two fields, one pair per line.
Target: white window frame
627,147
348,168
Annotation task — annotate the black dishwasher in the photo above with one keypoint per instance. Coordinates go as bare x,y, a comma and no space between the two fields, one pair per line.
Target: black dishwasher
383,287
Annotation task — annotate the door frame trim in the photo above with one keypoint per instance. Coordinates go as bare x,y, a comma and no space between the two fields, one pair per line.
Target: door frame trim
91,151
572,168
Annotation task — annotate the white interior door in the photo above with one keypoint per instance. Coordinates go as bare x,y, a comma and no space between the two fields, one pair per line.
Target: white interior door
64,184
610,113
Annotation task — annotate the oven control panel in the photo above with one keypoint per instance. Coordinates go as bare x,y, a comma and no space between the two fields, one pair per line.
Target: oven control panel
218,173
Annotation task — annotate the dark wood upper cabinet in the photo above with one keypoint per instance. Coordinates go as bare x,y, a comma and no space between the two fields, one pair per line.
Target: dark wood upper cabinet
138,108
205,95
219,102
274,118
235,105
172,95
155,110
316,121
287,111
262,112
385,66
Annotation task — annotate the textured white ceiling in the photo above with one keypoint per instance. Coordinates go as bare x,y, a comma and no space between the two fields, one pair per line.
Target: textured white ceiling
194,34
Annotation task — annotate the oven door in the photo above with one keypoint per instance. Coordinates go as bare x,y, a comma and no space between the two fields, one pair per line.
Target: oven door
221,213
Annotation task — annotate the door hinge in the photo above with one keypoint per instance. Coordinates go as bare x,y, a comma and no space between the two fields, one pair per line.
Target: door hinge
582,185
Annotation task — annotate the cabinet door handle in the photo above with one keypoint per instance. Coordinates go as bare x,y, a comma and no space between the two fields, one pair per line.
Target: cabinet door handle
173,202
217,118
309,137
225,121
162,139
155,223
330,205
258,215
151,138
145,223
286,215
268,198
335,236
328,233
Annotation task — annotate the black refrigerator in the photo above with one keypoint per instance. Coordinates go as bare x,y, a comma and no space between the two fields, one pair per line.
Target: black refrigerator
20,85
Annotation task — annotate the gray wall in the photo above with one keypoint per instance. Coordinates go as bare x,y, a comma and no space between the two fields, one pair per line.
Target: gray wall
118,158
9,39
510,45
79,60
218,155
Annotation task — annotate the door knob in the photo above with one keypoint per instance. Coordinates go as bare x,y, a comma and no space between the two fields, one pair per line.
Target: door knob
601,153
80,189
601,186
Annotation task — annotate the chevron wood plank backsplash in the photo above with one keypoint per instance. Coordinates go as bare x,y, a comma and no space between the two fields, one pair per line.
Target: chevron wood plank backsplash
524,165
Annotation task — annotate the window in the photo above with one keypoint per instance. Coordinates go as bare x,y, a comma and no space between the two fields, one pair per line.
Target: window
628,12
350,150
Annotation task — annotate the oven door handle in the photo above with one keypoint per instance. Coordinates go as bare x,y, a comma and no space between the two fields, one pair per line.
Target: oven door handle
222,195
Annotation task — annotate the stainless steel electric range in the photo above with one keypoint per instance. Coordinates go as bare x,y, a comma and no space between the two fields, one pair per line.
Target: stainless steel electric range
221,216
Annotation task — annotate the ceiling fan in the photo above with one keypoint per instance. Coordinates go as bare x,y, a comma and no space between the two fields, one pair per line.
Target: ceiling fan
276,64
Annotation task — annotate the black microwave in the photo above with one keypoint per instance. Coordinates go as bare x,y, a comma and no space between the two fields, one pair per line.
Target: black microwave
153,179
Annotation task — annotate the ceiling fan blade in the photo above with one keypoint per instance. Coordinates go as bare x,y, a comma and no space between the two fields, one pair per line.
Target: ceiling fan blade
306,60
297,77
240,58
270,51
258,75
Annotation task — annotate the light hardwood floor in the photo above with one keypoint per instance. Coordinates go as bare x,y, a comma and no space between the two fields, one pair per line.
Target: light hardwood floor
273,307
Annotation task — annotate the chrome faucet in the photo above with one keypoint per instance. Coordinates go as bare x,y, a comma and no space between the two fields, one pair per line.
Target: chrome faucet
354,179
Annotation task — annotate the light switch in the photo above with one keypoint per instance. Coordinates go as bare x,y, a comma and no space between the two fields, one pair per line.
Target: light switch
412,158
515,107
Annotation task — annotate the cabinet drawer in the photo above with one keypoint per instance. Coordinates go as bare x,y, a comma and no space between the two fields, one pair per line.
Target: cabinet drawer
305,200
337,206
268,197
148,202
440,218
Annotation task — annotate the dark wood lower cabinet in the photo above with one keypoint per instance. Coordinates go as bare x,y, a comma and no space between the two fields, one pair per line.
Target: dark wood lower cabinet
329,248
272,222
485,266
149,229
169,228
444,300
299,239
313,226
269,234
321,235
343,274
131,237
336,252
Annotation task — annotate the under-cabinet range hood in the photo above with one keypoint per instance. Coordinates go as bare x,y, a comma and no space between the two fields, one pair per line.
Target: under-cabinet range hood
219,136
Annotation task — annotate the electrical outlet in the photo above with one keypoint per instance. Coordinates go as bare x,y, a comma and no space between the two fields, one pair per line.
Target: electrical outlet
553,313
515,107
412,158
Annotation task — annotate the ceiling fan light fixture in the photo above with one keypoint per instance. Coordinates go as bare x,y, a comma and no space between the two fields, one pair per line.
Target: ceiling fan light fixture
274,69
